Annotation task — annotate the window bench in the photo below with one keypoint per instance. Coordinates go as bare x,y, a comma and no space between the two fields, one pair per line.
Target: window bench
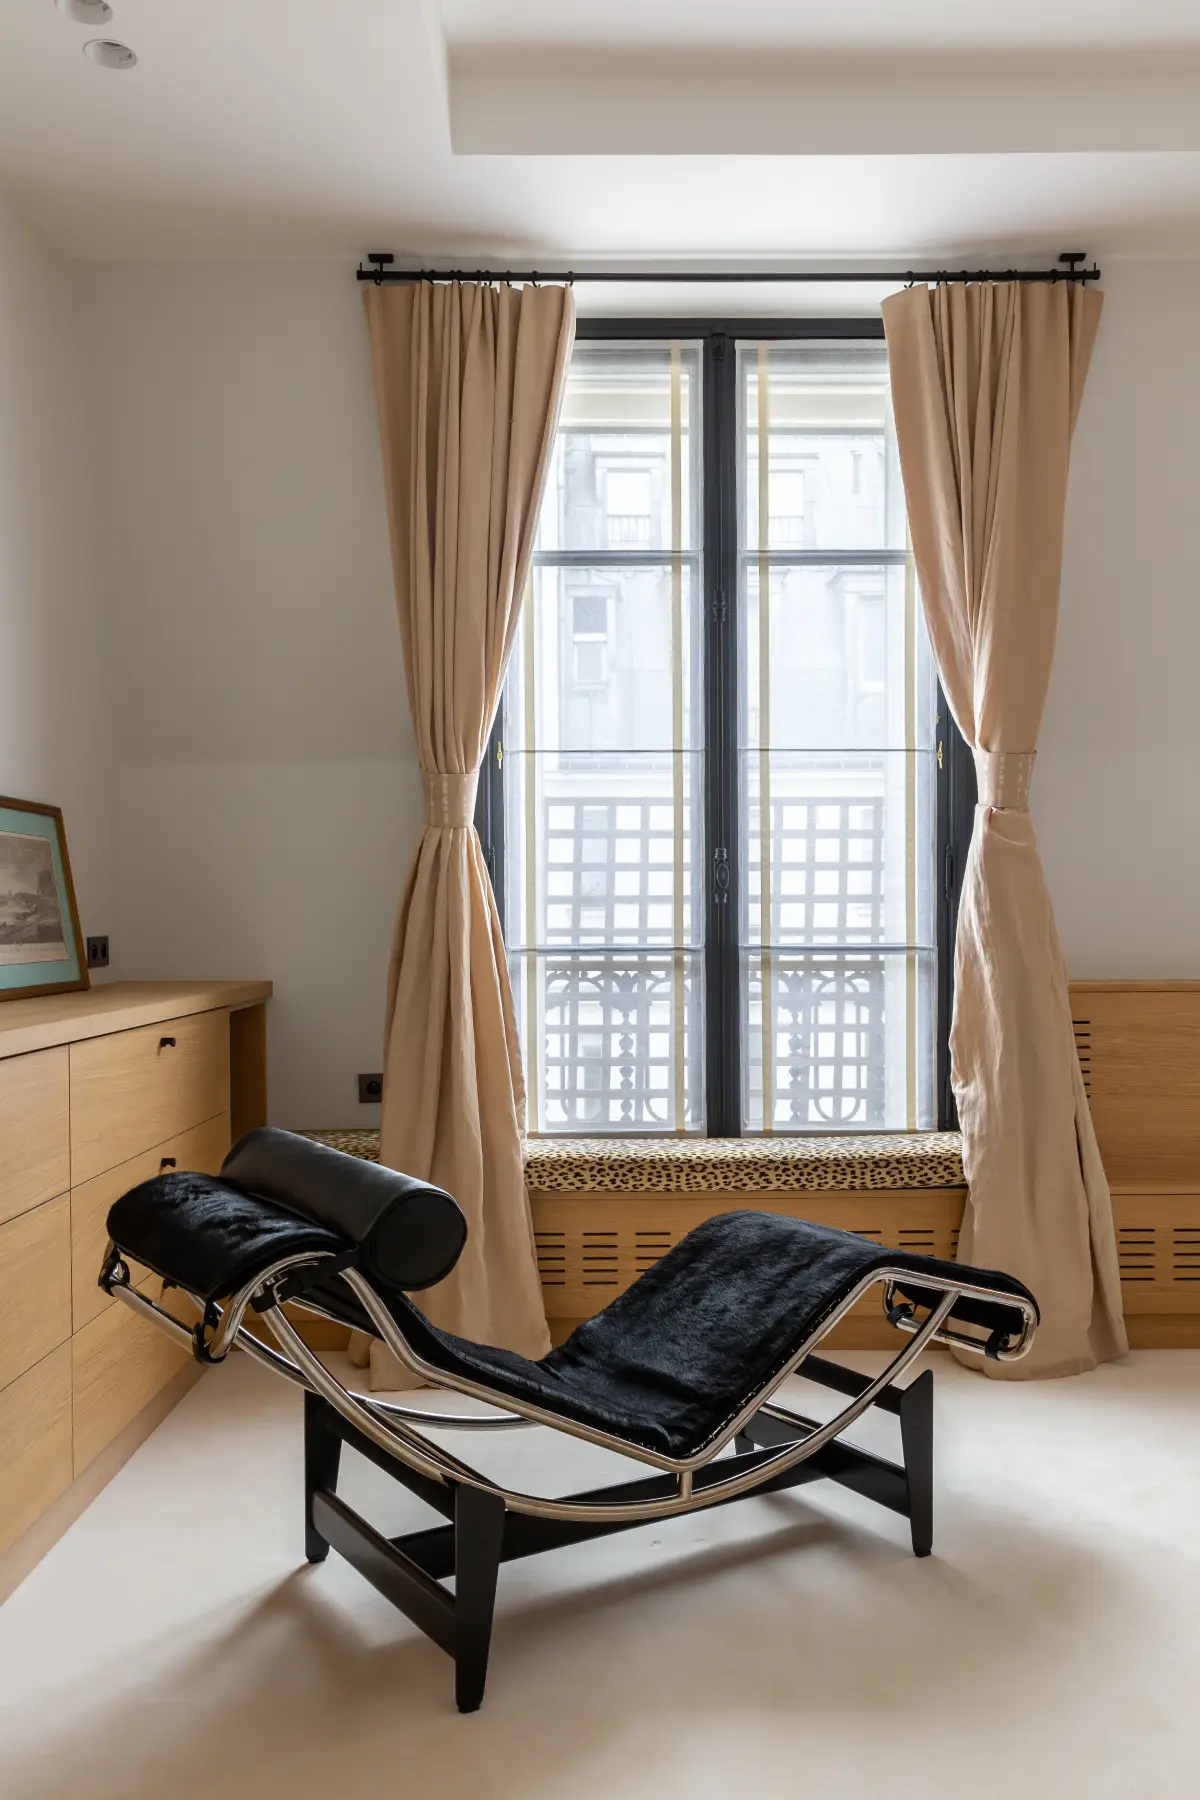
604,1210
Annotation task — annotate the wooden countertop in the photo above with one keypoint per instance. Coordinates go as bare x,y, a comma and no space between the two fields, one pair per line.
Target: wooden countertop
117,1006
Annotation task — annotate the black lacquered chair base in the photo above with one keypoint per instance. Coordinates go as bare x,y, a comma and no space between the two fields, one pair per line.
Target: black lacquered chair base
482,1533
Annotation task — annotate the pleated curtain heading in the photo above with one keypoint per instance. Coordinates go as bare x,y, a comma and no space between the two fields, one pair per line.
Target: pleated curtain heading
469,380
986,382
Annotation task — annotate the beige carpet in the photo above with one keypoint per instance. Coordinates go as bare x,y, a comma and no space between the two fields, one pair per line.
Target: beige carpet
175,1643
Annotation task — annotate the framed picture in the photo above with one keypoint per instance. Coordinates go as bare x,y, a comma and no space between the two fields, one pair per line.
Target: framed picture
41,949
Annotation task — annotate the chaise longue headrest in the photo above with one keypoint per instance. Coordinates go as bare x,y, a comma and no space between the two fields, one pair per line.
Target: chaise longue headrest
410,1234
279,1195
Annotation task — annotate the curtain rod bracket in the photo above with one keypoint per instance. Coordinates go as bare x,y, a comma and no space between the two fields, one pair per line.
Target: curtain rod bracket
381,260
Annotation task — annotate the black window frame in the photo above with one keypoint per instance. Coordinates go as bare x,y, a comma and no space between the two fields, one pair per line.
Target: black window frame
955,772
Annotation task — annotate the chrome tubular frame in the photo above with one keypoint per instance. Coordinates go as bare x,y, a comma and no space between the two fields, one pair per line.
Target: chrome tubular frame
231,1333
398,1429
687,1497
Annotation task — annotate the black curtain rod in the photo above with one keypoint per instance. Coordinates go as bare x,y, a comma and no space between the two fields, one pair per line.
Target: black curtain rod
381,271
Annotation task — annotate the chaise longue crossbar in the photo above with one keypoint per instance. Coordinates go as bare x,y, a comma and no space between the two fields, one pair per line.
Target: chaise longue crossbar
679,1373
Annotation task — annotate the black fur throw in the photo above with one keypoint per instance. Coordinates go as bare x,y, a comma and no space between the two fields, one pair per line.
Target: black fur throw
669,1362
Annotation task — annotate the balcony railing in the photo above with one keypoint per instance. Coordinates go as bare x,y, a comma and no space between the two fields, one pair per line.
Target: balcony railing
617,998
628,531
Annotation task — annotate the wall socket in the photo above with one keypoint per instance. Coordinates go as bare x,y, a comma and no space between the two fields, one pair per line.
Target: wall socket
97,953
370,1090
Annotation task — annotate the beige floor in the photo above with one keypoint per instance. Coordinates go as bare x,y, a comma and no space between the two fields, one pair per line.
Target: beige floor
174,1643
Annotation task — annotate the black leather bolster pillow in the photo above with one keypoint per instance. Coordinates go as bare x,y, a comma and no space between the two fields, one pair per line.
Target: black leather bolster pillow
409,1233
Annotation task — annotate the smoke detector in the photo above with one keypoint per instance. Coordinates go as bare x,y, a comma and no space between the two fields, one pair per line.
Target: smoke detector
86,12
109,54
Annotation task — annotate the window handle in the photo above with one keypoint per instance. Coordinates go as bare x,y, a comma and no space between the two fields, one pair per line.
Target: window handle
720,876
499,754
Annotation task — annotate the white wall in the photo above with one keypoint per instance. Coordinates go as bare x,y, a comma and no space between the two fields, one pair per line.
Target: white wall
269,799
55,739
268,794
1117,787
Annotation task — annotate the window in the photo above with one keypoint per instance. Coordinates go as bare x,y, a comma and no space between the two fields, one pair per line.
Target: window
721,844
835,753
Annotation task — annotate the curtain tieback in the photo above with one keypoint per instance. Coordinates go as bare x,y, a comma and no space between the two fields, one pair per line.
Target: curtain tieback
1003,778
449,799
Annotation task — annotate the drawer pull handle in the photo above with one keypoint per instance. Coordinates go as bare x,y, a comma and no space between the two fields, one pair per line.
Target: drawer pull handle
165,1043
168,1162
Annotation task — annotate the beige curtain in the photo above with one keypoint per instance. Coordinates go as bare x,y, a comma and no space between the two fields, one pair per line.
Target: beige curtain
987,380
469,380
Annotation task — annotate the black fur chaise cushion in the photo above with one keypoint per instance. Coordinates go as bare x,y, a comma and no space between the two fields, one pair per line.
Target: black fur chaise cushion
668,1363
207,1236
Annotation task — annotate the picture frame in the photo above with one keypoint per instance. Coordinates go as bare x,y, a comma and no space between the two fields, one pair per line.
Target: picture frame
41,945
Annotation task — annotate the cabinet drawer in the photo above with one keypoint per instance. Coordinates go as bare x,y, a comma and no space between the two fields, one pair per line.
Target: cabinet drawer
119,1362
35,1139
203,1148
35,1286
135,1089
35,1430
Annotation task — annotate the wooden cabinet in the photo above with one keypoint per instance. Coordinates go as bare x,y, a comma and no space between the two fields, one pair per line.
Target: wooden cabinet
35,1133
99,1091
35,1431
35,1286
118,1364
139,1088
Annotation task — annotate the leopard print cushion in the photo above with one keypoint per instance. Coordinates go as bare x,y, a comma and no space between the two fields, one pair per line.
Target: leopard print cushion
919,1159
354,1143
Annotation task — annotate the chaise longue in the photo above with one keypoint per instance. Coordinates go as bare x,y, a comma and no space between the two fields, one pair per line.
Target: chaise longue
680,1373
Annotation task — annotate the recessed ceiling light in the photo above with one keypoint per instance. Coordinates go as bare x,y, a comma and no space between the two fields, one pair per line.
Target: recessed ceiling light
110,55
86,12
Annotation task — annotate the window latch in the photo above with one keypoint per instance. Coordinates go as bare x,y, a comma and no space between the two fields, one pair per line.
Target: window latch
499,754
720,876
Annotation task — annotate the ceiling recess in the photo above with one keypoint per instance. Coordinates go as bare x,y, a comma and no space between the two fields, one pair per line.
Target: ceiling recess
86,12
109,54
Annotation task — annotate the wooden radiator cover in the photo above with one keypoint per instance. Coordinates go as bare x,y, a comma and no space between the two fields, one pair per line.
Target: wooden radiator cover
591,1246
1139,1047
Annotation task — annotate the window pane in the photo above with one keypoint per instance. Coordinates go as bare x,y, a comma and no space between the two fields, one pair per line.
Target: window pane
603,850
612,1043
847,656
616,482
836,766
613,659
848,846
847,1040
832,480
603,759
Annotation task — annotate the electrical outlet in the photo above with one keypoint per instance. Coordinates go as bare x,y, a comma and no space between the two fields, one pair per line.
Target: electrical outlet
97,953
370,1090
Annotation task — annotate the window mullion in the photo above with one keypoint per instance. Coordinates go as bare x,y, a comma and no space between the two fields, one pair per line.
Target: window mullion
722,994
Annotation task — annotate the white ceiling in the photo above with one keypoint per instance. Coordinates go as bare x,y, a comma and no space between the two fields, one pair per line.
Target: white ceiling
286,128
